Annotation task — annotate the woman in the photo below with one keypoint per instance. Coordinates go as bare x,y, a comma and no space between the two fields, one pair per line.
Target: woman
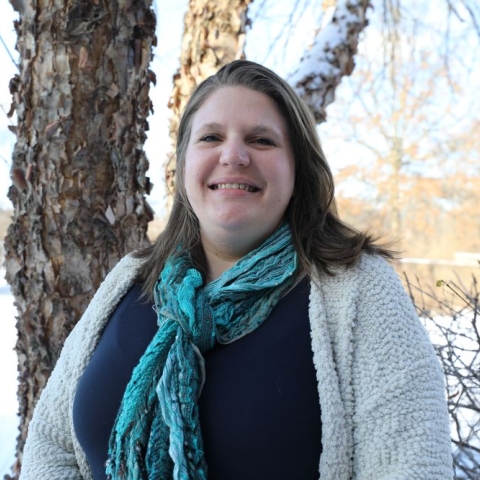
253,278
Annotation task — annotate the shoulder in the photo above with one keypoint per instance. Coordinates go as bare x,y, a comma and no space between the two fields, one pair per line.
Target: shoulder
368,267
369,301
121,277
106,298
128,267
368,296
371,273
374,268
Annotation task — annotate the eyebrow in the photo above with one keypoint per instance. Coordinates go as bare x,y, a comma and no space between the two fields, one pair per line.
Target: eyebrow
210,126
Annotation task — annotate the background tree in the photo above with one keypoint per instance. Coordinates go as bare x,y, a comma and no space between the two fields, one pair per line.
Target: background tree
78,167
213,35
406,141
331,57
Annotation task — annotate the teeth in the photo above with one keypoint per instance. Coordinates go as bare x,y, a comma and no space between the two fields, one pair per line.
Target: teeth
234,186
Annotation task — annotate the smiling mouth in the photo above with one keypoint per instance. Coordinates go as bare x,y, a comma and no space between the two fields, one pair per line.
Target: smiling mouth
234,186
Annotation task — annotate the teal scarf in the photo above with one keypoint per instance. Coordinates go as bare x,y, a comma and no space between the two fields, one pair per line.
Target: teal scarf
157,433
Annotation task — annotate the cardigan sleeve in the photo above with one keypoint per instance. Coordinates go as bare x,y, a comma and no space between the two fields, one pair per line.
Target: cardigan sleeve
51,451
400,420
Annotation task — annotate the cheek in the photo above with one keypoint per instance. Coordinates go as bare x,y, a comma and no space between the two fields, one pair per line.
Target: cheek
189,173
289,179
195,166
190,190
194,180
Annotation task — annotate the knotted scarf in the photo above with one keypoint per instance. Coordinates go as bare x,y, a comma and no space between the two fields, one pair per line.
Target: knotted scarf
157,433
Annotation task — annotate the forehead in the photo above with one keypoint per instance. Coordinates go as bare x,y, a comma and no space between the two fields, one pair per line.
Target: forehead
238,104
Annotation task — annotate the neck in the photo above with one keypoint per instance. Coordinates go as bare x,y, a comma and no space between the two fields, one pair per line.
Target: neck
218,260
221,256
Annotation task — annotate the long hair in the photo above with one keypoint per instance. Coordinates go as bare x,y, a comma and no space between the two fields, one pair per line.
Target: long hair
321,239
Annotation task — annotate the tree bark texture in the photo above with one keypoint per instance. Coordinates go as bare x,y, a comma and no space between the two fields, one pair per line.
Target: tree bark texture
214,35
331,57
78,167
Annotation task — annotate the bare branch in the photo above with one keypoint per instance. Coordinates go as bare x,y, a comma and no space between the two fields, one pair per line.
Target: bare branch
470,8
9,54
457,343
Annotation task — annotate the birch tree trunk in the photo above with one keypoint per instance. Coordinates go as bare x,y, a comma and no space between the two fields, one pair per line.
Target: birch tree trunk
331,57
78,168
214,35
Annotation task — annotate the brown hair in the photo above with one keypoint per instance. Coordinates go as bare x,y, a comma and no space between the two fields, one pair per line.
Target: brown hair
321,239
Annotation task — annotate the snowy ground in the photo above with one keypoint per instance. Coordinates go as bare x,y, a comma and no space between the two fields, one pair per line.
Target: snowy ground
457,339
8,380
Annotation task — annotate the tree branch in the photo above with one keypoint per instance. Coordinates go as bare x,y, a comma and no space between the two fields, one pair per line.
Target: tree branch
331,57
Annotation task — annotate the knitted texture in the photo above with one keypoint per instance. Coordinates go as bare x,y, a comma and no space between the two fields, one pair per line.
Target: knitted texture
381,390
157,432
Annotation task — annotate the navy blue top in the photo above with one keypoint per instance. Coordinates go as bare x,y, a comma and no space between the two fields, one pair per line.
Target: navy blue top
259,408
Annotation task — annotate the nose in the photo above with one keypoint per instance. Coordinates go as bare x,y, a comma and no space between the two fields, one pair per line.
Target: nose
235,154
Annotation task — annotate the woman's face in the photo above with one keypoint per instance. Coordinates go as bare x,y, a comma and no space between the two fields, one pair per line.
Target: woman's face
239,167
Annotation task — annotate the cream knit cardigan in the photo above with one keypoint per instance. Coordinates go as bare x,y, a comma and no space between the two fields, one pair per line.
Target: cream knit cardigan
381,389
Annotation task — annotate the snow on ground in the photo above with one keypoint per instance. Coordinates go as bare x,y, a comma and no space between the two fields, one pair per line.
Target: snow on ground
456,339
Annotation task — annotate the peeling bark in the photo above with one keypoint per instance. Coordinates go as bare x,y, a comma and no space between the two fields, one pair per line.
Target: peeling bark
331,57
214,35
78,169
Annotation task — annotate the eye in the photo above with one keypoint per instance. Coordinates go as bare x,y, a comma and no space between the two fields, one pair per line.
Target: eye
210,138
264,141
